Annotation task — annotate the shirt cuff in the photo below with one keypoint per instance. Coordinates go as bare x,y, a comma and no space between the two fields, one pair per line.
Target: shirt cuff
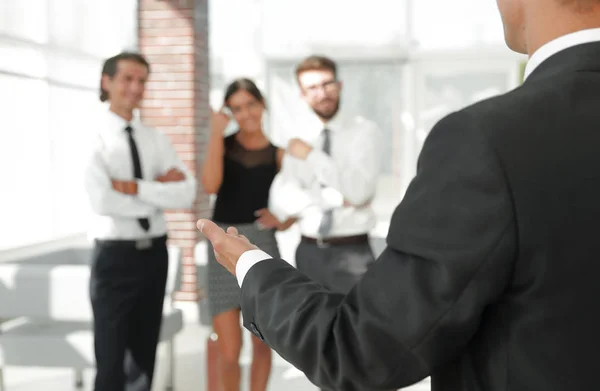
246,261
331,198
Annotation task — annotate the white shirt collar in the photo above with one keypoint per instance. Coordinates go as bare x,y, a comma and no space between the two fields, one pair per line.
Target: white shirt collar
559,44
336,122
117,123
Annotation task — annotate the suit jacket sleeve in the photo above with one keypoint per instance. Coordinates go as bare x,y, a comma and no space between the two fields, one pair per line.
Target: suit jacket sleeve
450,249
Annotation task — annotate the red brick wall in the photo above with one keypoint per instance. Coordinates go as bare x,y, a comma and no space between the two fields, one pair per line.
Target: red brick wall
173,35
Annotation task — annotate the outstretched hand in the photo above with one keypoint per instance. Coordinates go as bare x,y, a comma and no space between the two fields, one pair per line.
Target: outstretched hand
228,246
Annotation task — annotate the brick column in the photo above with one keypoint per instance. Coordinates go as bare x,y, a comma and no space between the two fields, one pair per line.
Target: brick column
173,35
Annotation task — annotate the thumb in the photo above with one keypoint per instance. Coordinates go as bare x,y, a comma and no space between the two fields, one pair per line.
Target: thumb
209,229
260,212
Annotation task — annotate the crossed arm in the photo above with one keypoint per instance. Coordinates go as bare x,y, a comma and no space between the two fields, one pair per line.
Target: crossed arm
349,182
175,188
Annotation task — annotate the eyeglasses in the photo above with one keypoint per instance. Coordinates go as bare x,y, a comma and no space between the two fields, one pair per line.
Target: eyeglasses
326,86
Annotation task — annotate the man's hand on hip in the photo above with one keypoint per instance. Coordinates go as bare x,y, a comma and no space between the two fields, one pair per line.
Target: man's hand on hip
229,246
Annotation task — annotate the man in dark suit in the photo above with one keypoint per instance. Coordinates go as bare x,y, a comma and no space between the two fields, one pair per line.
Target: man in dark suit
490,277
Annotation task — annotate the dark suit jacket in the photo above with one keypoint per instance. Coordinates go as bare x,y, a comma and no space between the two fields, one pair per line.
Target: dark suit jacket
491,276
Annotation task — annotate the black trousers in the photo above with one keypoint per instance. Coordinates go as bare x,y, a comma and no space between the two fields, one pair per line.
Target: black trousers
127,290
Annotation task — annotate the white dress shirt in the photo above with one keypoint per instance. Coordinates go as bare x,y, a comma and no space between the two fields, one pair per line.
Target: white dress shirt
306,188
115,214
559,44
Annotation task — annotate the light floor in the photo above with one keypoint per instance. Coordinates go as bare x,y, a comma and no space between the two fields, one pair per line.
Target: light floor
190,372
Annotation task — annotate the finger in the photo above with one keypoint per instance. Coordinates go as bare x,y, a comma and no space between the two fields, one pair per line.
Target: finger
245,238
212,231
260,212
232,231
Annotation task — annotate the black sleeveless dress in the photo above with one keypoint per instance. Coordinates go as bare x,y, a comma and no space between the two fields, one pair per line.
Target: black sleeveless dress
247,178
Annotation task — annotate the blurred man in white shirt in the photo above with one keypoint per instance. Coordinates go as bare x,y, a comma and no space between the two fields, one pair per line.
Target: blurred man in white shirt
132,175
329,184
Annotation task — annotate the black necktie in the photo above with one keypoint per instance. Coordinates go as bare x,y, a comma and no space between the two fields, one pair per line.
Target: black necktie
327,220
137,169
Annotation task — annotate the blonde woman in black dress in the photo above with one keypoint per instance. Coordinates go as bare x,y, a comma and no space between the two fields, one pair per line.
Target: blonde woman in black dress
239,169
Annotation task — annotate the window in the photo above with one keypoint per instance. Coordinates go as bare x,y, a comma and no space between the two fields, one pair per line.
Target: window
24,154
51,52
21,58
70,132
442,24
24,19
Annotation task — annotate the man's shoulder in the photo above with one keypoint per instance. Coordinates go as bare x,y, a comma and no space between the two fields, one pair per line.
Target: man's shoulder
503,118
519,101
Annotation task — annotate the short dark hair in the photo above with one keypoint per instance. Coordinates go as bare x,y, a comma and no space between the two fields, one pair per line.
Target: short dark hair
244,84
111,65
316,63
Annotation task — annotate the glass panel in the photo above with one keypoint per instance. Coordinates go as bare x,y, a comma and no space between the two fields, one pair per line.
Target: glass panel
100,28
452,85
70,137
290,25
44,127
83,71
66,23
25,201
110,26
441,24
22,58
25,19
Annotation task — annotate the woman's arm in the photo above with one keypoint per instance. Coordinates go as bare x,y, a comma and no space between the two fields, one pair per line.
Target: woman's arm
212,169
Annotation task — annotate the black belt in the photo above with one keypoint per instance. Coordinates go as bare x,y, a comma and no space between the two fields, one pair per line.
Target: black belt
139,244
339,240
